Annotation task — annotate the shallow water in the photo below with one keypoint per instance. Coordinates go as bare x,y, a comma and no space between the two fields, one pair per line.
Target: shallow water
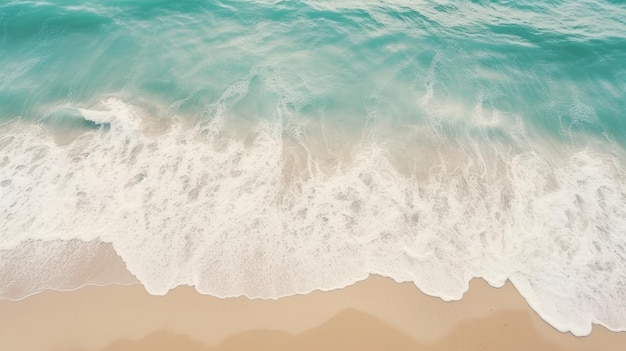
272,148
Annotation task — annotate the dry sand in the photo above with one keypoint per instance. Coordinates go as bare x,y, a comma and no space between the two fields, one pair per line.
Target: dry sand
375,314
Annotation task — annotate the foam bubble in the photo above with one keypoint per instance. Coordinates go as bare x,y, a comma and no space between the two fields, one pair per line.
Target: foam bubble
268,215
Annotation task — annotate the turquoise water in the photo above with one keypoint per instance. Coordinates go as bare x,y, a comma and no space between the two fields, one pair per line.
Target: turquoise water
266,148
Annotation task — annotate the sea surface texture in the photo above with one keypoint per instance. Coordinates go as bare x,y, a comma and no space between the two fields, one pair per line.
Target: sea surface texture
269,148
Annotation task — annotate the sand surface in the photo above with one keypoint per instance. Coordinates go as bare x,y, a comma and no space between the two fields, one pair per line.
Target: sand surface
375,314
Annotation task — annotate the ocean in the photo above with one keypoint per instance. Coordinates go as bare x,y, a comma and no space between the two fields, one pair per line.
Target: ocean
271,148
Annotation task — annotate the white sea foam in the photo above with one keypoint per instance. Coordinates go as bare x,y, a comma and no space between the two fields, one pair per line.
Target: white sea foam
246,216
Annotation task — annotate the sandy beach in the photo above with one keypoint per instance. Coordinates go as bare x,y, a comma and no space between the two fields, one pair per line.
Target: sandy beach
375,314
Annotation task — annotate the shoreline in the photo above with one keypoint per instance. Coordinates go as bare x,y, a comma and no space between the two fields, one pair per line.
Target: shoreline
375,310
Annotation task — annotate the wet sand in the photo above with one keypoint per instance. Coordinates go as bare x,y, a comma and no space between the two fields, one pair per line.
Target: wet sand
375,314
